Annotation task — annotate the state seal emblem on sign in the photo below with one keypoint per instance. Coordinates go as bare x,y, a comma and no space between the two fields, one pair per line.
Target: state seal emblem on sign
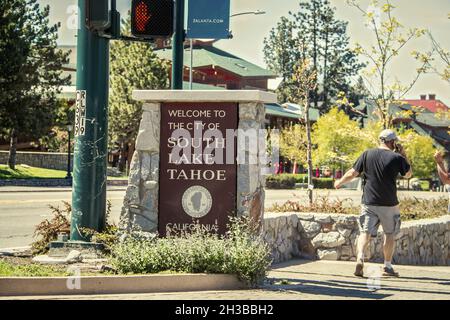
196,201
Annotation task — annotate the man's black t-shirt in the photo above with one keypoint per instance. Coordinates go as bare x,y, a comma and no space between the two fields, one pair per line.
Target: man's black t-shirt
379,169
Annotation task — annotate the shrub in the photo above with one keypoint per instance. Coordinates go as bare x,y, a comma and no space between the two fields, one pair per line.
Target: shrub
241,251
411,208
321,204
280,181
48,230
288,181
323,183
108,237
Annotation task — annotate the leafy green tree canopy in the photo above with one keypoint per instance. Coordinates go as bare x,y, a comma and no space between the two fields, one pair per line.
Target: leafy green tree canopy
133,65
338,140
312,33
30,71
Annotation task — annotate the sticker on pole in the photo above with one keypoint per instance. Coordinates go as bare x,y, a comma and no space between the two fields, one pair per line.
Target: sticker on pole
80,114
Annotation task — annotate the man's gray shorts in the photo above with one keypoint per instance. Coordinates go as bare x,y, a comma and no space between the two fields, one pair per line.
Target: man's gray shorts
372,216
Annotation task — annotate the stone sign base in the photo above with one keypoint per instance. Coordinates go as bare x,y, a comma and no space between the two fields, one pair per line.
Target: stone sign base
141,204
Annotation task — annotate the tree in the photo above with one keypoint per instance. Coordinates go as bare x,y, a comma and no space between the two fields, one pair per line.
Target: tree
30,71
444,56
305,80
134,65
338,139
56,140
358,91
293,143
390,39
420,151
312,33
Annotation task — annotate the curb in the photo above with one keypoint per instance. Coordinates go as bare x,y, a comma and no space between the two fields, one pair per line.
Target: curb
12,250
26,286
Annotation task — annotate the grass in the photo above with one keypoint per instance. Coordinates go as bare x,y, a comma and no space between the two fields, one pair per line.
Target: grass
8,269
27,172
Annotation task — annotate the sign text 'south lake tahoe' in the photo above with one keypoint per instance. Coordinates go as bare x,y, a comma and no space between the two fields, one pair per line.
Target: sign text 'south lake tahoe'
197,179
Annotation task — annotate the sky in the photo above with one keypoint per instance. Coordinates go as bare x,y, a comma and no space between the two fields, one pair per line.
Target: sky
249,32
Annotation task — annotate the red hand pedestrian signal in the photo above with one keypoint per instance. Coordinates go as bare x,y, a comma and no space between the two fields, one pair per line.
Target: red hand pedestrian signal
142,16
152,18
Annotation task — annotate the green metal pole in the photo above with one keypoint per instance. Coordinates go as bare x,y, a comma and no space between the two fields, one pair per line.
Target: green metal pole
178,46
90,154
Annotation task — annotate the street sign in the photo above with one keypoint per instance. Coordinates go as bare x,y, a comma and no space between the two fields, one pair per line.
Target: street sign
195,188
80,113
208,19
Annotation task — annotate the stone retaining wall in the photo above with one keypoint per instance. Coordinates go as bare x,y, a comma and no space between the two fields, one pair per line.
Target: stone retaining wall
333,237
47,160
36,182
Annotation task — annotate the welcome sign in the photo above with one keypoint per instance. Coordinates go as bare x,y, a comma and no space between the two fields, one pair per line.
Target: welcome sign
197,166
208,19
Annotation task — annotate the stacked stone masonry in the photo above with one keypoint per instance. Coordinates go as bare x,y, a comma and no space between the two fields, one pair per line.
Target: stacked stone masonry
334,237
140,208
47,160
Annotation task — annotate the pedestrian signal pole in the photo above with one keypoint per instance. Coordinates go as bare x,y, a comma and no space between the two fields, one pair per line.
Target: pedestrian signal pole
91,119
99,22
178,46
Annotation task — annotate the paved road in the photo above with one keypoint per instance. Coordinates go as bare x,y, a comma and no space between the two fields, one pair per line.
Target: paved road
21,208
319,280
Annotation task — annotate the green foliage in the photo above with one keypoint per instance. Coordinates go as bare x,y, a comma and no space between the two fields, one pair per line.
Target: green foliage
30,270
390,39
321,204
240,252
420,152
288,181
133,65
323,183
30,69
316,34
108,237
293,143
56,140
369,135
337,138
27,172
48,230
411,208
280,181
339,142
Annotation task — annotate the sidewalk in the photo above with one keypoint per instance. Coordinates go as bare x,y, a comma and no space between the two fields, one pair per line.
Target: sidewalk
324,280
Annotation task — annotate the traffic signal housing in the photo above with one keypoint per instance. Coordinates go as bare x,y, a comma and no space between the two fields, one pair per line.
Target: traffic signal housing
152,18
98,15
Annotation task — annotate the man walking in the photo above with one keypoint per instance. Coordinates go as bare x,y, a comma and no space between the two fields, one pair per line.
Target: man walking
379,168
